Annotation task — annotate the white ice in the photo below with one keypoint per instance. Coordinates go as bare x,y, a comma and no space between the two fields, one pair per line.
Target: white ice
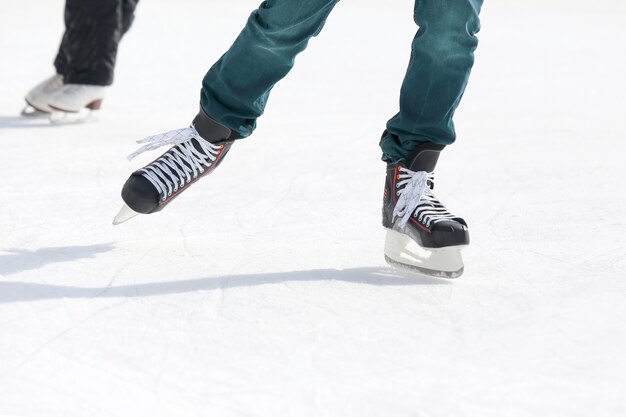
262,291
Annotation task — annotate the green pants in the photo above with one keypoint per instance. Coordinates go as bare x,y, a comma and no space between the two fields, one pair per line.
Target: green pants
235,90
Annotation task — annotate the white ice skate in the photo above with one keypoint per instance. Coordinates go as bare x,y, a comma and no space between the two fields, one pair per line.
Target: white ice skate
75,103
37,98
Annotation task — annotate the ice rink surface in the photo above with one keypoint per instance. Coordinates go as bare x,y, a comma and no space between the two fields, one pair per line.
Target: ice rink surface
262,291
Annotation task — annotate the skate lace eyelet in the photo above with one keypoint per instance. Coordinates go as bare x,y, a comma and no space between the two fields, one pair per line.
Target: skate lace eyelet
186,161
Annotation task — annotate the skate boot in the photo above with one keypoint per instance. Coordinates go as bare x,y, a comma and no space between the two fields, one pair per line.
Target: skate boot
37,98
197,151
422,235
75,102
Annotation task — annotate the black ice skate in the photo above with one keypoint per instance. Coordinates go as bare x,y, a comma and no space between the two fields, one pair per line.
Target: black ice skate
197,151
421,234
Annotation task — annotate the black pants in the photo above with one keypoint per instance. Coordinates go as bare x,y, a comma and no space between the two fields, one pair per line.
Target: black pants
93,30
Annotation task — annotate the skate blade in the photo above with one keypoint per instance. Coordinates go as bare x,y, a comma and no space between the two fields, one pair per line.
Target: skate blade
125,214
31,112
58,117
403,252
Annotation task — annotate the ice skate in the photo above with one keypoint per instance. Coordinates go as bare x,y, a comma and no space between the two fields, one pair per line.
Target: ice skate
75,103
421,234
37,98
197,151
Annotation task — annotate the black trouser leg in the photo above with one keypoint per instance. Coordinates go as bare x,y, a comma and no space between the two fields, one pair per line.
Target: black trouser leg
93,30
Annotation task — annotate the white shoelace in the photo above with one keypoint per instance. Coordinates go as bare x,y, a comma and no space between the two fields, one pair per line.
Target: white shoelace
181,164
416,198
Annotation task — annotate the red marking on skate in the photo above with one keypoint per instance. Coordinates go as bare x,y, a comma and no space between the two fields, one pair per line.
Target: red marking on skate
95,105
420,225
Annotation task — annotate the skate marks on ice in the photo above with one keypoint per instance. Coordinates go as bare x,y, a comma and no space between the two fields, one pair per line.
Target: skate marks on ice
15,260
378,276
41,120
37,120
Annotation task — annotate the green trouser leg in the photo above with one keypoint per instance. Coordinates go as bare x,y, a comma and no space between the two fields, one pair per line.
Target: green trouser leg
441,60
236,88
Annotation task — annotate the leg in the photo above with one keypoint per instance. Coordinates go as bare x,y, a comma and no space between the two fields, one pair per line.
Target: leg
89,46
441,60
233,96
422,235
128,14
236,88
